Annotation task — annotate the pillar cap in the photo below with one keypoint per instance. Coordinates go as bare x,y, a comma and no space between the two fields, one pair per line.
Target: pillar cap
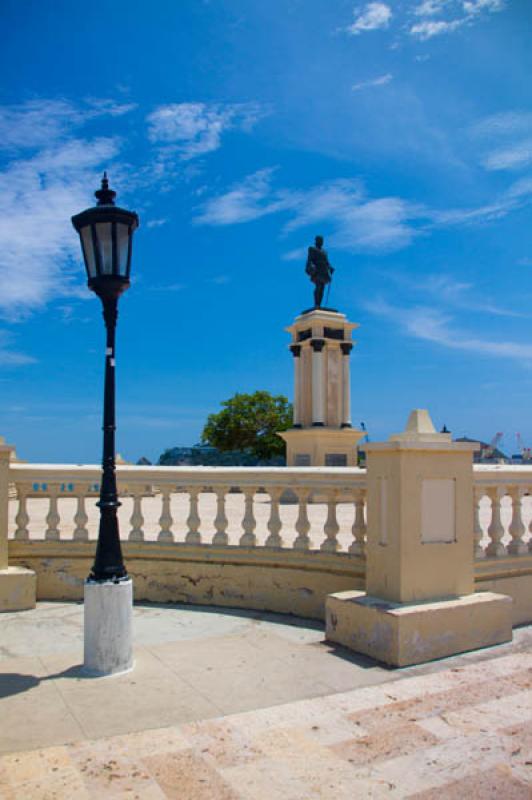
420,428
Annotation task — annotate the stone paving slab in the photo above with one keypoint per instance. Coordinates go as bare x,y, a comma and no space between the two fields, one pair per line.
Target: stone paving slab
462,731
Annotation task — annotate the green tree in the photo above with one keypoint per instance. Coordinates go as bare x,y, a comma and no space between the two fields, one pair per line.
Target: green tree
250,422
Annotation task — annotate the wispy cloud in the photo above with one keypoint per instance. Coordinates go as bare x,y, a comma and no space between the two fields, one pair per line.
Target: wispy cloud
451,293
433,325
513,156
38,123
429,8
358,222
373,17
10,357
463,12
156,223
194,129
43,183
429,28
382,80
506,140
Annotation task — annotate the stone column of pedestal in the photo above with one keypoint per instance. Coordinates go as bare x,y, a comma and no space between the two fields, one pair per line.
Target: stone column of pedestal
296,352
346,348
318,383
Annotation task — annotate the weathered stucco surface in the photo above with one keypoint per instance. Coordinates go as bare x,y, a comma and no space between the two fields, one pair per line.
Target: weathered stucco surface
401,634
283,581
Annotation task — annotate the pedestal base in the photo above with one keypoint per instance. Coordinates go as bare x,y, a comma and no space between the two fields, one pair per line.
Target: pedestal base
108,627
18,589
314,447
402,635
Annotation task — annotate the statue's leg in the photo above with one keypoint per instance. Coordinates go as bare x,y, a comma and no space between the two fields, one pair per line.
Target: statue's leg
318,294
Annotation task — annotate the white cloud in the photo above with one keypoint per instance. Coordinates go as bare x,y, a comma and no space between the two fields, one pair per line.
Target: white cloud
9,357
469,11
428,29
39,192
511,157
507,140
245,201
373,17
429,8
448,291
382,80
358,222
506,123
193,129
38,123
432,325
156,223
476,6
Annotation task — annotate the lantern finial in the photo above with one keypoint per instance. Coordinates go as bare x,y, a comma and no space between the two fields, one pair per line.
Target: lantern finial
105,195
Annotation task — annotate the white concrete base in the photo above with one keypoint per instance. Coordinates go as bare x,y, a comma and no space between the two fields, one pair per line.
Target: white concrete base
108,627
18,589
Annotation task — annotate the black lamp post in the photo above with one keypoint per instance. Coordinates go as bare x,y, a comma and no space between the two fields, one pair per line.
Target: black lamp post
106,234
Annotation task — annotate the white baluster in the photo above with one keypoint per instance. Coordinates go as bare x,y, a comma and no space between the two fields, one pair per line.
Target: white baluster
517,546
220,521
193,520
52,518
136,521
274,523
302,541
478,533
81,534
358,547
166,519
496,529
249,523
22,517
331,527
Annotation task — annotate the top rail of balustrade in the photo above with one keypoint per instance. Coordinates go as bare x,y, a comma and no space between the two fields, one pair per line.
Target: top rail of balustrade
260,477
502,475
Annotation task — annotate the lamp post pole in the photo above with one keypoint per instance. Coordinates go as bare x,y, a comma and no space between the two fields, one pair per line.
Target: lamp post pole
108,563
106,233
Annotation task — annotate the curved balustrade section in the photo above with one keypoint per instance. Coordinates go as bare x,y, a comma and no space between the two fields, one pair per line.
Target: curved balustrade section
314,509
502,510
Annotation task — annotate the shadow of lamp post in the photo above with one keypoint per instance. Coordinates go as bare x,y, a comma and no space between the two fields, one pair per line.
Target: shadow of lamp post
106,235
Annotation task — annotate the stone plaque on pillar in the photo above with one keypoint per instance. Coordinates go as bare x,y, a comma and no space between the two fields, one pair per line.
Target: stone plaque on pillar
322,434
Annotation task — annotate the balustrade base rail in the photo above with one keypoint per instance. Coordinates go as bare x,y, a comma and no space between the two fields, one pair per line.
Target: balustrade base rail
284,581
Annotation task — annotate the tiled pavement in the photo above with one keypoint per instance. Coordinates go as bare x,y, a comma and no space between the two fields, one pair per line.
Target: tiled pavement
463,730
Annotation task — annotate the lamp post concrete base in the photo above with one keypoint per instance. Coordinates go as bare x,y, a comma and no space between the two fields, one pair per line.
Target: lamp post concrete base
108,645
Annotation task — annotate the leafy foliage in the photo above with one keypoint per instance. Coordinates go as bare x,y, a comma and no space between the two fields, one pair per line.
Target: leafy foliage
250,422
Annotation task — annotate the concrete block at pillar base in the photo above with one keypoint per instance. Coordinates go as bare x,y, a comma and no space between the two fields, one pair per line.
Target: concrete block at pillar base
108,646
18,589
412,633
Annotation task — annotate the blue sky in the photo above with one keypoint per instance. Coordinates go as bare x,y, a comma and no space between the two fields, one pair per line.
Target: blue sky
400,130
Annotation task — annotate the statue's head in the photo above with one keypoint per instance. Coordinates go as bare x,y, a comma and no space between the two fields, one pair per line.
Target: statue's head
319,241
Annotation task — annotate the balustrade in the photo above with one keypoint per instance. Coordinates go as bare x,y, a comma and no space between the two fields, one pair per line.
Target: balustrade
81,534
321,509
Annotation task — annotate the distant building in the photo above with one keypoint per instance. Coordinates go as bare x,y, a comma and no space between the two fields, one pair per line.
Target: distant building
487,453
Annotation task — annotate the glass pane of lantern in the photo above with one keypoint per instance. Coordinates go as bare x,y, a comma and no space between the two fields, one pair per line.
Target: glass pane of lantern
122,245
88,251
105,246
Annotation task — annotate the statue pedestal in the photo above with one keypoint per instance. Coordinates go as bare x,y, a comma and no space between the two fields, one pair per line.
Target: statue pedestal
322,434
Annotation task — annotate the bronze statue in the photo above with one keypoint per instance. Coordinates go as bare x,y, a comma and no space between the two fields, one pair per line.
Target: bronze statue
319,269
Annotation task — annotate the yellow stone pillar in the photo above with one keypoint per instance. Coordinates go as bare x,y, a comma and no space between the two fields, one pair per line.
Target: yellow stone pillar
17,585
419,602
